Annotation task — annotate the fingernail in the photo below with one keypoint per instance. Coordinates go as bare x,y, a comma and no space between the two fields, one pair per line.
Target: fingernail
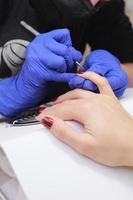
80,72
47,122
40,110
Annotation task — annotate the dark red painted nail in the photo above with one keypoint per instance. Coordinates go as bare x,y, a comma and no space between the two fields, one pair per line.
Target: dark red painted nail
48,122
80,72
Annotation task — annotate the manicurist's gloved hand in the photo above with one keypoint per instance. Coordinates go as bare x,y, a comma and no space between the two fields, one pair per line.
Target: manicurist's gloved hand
105,64
48,58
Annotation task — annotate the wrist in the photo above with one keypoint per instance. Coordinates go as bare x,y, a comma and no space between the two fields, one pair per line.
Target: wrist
30,93
8,97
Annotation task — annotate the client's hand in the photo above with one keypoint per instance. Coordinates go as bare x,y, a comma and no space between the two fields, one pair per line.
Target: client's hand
108,128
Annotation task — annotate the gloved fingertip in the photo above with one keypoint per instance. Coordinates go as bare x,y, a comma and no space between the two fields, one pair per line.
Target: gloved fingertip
76,55
76,82
67,77
80,70
88,85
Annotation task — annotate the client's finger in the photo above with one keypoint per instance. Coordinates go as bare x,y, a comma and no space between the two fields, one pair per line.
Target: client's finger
101,82
74,94
68,110
81,142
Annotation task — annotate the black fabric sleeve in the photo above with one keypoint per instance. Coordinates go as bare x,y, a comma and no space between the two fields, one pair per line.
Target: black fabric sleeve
111,29
5,7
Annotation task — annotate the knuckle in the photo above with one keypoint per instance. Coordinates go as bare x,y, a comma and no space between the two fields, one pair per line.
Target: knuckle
65,50
124,78
61,61
88,148
66,31
59,134
84,149
87,104
48,63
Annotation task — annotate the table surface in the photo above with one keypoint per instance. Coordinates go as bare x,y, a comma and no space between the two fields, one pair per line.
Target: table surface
48,169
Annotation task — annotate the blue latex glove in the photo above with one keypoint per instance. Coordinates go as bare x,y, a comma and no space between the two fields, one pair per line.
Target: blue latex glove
105,64
48,58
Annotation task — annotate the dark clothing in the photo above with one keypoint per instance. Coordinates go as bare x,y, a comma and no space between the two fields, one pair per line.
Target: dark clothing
106,27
